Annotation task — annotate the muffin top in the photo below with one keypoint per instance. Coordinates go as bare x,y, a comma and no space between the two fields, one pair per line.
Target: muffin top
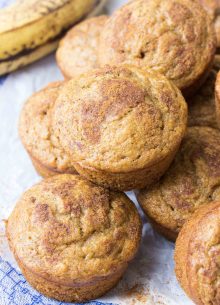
126,119
73,231
191,181
35,129
77,52
174,37
201,239
202,111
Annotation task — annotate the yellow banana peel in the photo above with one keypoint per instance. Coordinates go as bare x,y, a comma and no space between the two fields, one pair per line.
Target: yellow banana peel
31,29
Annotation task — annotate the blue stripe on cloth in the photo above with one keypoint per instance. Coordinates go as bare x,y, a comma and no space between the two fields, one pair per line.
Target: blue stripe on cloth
4,3
14,290
2,79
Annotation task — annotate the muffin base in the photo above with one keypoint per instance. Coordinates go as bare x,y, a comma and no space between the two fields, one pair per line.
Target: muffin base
71,294
127,181
192,89
160,229
47,172
165,232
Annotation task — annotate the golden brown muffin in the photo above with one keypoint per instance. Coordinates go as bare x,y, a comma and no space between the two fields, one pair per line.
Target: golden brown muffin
77,52
129,125
211,6
202,111
217,22
191,181
35,131
217,30
72,239
173,37
197,256
217,98
216,64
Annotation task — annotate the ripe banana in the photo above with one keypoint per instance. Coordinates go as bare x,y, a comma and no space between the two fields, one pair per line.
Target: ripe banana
31,29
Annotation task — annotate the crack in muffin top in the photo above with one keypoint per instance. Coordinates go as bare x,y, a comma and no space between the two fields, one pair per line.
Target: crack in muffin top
71,231
126,119
173,37
77,52
192,180
35,129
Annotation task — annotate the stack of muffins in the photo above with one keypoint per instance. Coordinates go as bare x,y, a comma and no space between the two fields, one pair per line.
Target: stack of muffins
118,122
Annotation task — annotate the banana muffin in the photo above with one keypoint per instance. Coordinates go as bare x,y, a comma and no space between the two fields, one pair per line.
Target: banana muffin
77,51
216,64
42,146
217,30
191,181
197,256
173,37
129,122
217,98
211,6
202,110
72,239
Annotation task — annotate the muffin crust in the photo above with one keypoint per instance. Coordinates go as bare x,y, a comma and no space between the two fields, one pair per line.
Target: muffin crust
217,30
211,6
129,125
197,256
173,37
77,52
216,7
35,131
202,110
192,180
72,239
217,98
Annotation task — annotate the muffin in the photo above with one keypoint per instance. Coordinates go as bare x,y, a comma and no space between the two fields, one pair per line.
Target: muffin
191,181
216,64
217,30
202,111
211,6
72,239
197,256
77,52
216,6
173,37
129,125
42,146
217,98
